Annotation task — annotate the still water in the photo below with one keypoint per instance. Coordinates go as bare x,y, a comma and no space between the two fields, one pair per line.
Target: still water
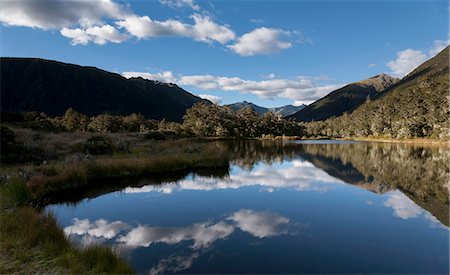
280,207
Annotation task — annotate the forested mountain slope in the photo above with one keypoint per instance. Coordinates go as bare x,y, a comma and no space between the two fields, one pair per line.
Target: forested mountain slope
417,106
31,84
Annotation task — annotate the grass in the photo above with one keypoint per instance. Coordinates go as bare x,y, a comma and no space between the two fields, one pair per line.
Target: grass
33,242
73,174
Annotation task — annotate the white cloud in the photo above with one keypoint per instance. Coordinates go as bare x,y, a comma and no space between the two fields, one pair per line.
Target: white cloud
59,14
203,29
260,224
177,4
84,21
262,41
407,60
301,89
372,65
438,46
99,35
213,98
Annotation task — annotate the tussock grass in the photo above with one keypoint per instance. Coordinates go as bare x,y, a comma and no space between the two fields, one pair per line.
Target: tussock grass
76,173
32,242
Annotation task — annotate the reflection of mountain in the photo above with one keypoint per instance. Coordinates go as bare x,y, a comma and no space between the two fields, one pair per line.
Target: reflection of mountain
420,173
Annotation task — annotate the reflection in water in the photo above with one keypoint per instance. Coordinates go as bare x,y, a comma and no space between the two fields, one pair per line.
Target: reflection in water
174,233
174,263
405,208
298,175
203,234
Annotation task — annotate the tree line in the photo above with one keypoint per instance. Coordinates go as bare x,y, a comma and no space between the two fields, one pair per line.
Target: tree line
202,120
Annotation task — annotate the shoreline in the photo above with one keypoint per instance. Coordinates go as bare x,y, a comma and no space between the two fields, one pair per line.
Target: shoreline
414,141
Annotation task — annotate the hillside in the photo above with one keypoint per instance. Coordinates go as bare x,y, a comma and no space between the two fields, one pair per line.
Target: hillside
344,99
417,106
283,110
30,84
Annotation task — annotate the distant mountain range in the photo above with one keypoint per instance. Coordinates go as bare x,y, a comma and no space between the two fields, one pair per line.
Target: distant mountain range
32,84
345,99
283,110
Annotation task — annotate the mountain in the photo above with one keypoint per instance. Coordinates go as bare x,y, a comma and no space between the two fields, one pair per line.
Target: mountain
287,110
32,84
283,110
239,105
416,106
345,99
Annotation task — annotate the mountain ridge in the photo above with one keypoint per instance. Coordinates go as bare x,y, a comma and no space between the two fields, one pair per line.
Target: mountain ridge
285,110
36,84
345,99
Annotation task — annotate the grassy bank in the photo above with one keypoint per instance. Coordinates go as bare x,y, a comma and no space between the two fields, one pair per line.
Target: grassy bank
33,242
418,141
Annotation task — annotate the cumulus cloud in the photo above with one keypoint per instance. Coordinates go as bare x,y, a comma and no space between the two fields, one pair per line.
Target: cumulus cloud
177,4
262,41
56,14
203,29
303,90
407,60
84,21
438,46
213,98
99,35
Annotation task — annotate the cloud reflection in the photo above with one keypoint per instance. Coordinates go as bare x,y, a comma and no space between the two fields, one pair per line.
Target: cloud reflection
405,208
258,224
299,175
203,234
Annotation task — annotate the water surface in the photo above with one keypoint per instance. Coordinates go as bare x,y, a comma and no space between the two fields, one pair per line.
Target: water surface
292,207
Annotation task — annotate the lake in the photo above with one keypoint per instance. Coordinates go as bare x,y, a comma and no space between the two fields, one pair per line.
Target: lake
280,207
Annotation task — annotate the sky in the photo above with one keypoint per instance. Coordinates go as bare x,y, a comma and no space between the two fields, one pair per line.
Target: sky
271,53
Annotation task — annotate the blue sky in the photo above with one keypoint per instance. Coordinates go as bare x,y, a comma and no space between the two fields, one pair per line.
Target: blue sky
269,52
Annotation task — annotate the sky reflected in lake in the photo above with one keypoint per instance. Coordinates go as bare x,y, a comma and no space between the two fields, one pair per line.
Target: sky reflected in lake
298,208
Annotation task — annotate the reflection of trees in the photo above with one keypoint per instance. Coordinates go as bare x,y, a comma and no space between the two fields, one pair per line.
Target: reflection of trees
247,153
420,173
